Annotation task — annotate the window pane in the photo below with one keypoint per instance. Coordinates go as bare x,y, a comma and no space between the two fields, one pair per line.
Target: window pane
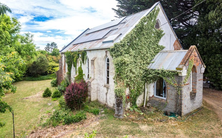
164,89
107,66
107,74
159,88
107,60
107,80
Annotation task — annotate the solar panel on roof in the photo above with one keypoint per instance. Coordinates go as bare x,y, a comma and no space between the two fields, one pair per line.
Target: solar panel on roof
107,25
111,38
92,36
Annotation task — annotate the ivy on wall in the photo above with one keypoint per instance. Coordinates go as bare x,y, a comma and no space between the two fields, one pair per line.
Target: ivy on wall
72,59
134,53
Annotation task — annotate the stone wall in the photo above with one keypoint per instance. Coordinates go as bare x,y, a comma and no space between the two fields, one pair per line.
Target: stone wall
99,90
192,97
172,101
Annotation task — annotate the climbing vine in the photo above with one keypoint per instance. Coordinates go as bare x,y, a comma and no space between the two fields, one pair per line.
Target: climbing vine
189,70
134,53
72,59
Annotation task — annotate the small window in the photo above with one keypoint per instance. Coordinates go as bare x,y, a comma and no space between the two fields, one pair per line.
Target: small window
194,79
160,88
93,68
157,26
107,70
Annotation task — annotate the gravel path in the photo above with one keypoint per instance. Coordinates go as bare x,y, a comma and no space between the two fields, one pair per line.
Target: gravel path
214,98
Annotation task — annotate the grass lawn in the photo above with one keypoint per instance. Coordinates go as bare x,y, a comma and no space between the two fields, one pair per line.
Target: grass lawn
201,123
28,106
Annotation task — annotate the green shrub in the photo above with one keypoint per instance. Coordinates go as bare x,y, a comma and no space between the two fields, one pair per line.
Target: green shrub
56,94
80,75
62,87
57,117
76,94
53,67
94,111
38,67
2,124
47,93
54,83
74,118
62,103
64,116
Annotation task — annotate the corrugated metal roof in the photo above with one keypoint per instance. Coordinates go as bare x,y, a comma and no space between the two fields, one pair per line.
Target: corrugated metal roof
168,60
93,38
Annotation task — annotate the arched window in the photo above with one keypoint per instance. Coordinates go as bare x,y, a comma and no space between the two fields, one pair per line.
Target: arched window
194,79
87,66
193,83
107,70
160,88
157,26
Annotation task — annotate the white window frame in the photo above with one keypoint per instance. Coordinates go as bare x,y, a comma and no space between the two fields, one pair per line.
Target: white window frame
157,95
87,68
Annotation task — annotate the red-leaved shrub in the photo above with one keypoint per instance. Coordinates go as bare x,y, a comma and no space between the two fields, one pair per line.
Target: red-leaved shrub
76,94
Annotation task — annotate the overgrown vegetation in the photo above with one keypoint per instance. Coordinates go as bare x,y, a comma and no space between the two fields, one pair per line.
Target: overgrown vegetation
92,110
202,31
62,87
64,116
69,119
62,103
80,75
72,58
134,53
54,83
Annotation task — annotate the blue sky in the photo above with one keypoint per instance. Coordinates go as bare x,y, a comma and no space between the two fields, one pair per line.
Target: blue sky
59,21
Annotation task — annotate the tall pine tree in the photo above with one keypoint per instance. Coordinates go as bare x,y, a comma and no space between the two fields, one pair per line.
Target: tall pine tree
208,39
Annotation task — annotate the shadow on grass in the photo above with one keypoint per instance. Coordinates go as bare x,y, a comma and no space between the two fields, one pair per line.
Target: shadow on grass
45,77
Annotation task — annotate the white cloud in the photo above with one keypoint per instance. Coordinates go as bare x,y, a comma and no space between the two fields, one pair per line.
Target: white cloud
69,17
41,40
